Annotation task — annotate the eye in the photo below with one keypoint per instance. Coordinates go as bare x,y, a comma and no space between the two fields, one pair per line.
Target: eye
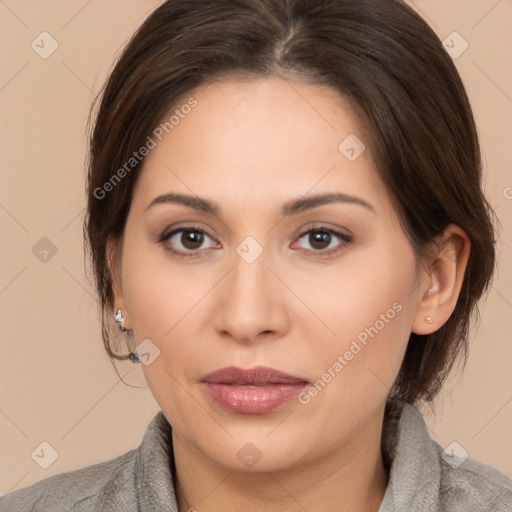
191,240
324,240
187,241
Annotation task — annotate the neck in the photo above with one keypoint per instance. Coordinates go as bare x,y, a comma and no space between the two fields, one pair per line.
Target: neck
350,478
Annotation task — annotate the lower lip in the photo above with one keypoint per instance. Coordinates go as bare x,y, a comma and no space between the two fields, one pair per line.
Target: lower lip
253,400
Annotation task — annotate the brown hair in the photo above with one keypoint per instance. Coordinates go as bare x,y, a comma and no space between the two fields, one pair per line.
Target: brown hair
378,53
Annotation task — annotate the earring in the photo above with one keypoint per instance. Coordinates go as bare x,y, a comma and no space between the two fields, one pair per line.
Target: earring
133,357
428,319
431,291
120,319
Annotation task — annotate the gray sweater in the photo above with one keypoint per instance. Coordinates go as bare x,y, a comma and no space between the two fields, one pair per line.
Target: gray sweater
141,480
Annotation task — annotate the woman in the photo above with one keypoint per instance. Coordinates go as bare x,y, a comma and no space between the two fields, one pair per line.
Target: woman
286,222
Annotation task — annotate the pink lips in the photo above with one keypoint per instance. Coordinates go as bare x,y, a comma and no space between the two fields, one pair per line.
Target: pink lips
252,391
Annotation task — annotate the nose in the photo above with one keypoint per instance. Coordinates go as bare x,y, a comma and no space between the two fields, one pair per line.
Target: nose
250,304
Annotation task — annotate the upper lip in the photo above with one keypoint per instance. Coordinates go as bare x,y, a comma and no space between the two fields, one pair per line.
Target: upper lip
258,375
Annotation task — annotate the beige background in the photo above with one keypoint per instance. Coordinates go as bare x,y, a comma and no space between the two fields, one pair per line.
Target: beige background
56,383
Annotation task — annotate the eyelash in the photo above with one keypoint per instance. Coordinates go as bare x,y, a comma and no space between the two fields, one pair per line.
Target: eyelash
345,240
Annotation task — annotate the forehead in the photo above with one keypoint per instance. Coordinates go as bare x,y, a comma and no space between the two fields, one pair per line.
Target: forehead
259,138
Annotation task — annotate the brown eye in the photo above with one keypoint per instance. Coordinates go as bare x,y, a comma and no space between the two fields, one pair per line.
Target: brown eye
191,239
323,241
319,239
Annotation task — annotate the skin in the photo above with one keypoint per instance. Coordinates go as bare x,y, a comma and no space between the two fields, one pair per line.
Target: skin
251,146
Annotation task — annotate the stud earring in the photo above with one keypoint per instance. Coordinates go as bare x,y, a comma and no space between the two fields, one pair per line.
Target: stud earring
120,319
431,291
428,319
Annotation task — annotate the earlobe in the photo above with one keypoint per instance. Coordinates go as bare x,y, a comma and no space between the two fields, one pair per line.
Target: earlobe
442,284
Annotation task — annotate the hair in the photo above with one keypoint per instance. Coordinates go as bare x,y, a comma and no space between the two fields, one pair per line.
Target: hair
383,57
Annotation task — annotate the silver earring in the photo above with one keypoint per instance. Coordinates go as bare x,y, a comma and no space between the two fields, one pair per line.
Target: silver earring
120,319
431,291
428,319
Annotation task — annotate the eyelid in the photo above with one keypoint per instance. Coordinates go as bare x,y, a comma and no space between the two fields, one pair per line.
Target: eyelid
324,226
169,231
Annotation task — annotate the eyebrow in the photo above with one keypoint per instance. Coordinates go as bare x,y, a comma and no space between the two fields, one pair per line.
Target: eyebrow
289,208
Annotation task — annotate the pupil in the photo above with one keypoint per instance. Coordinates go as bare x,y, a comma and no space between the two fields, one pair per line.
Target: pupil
191,239
320,239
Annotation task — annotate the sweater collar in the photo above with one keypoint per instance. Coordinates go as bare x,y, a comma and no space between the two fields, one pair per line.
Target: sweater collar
154,468
414,473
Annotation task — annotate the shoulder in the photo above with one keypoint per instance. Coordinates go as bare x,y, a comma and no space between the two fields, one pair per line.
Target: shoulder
424,477
77,490
468,484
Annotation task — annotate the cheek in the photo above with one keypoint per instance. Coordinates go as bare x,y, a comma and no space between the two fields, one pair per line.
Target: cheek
367,304
166,305
158,293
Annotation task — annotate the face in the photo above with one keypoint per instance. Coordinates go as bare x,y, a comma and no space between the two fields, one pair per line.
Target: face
324,290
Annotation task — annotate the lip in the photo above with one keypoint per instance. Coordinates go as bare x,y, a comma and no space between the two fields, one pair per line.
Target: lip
257,376
252,391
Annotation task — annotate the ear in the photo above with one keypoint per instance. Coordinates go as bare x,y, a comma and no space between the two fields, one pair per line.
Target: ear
444,278
113,255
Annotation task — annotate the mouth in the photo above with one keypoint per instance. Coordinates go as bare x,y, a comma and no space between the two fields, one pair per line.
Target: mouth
252,391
